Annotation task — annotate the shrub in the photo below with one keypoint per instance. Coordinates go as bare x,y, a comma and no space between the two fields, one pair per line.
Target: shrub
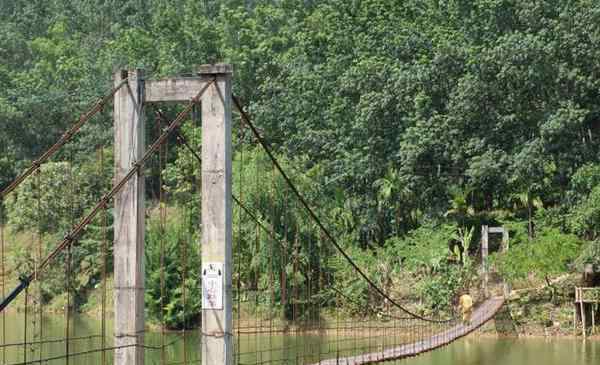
439,290
53,199
426,252
550,253
589,255
585,216
165,303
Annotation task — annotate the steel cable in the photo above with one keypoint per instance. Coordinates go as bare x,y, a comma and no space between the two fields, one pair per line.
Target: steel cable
314,216
78,229
270,231
66,137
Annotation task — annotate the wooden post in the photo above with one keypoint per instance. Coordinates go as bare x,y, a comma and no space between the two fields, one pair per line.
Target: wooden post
593,318
217,321
579,297
582,309
505,239
129,221
484,258
575,320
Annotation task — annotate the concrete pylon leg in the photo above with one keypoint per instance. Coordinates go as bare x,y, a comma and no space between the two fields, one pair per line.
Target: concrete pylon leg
216,245
484,258
129,221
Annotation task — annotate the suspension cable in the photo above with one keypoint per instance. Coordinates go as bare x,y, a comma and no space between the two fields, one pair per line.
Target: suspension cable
330,237
66,137
77,230
270,230
162,157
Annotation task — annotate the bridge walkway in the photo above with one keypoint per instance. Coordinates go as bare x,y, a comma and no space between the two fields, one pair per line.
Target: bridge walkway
482,314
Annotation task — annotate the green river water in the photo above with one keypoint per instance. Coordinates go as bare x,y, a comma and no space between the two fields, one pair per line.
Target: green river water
469,351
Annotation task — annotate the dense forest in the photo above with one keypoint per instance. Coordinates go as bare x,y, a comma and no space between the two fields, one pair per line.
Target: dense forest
410,122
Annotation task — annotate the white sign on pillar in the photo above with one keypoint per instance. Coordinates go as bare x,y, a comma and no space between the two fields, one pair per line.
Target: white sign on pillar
217,319
212,285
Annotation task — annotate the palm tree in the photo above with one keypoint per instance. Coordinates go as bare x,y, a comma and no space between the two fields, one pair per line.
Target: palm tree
525,200
459,205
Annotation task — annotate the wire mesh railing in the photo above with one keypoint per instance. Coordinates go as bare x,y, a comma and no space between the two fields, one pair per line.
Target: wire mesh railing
291,305
296,311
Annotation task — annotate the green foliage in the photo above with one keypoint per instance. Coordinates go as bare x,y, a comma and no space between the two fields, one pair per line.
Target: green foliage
77,269
182,174
172,256
592,295
46,207
49,200
397,114
585,216
396,203
354,87
590,254
58,195
426,251
285,240
584,180
550,253
464,238
440,290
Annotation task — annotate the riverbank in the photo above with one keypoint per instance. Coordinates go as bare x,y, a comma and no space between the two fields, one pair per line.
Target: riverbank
533,310
541,311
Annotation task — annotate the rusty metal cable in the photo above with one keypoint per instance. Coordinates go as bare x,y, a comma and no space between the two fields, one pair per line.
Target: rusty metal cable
237,255
273,235
3,269
68,305
257,271
162,224
78,229
328,234
104,262
25,325
369,308
49,341
93,351
184,244
66,137
69,262
39,259
271,263
270,230
104,276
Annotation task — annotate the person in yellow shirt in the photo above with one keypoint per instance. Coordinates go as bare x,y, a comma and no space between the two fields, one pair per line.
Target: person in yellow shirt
466,306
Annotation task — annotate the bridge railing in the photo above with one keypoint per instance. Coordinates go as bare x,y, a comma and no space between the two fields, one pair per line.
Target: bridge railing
289,306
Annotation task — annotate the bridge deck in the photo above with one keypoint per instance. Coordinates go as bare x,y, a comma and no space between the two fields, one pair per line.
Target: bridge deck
486,311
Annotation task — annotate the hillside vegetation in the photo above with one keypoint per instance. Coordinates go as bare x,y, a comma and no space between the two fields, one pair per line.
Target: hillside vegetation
411,123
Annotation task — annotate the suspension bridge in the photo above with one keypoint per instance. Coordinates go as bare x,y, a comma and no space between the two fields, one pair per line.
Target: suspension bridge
268,294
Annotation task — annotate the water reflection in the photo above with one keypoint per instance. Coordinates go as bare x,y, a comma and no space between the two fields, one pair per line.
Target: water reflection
489,351
284,349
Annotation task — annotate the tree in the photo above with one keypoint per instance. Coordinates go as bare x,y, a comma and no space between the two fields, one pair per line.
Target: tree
550,253
172,279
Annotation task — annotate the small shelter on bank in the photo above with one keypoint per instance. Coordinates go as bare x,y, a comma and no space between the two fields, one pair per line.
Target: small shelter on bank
587,296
